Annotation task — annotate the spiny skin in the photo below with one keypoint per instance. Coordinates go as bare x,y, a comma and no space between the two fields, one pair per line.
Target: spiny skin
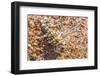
57,37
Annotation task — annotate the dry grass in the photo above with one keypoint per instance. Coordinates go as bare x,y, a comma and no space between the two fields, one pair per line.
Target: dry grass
57,37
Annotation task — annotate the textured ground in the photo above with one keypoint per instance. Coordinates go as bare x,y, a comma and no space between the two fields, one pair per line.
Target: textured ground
57,37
